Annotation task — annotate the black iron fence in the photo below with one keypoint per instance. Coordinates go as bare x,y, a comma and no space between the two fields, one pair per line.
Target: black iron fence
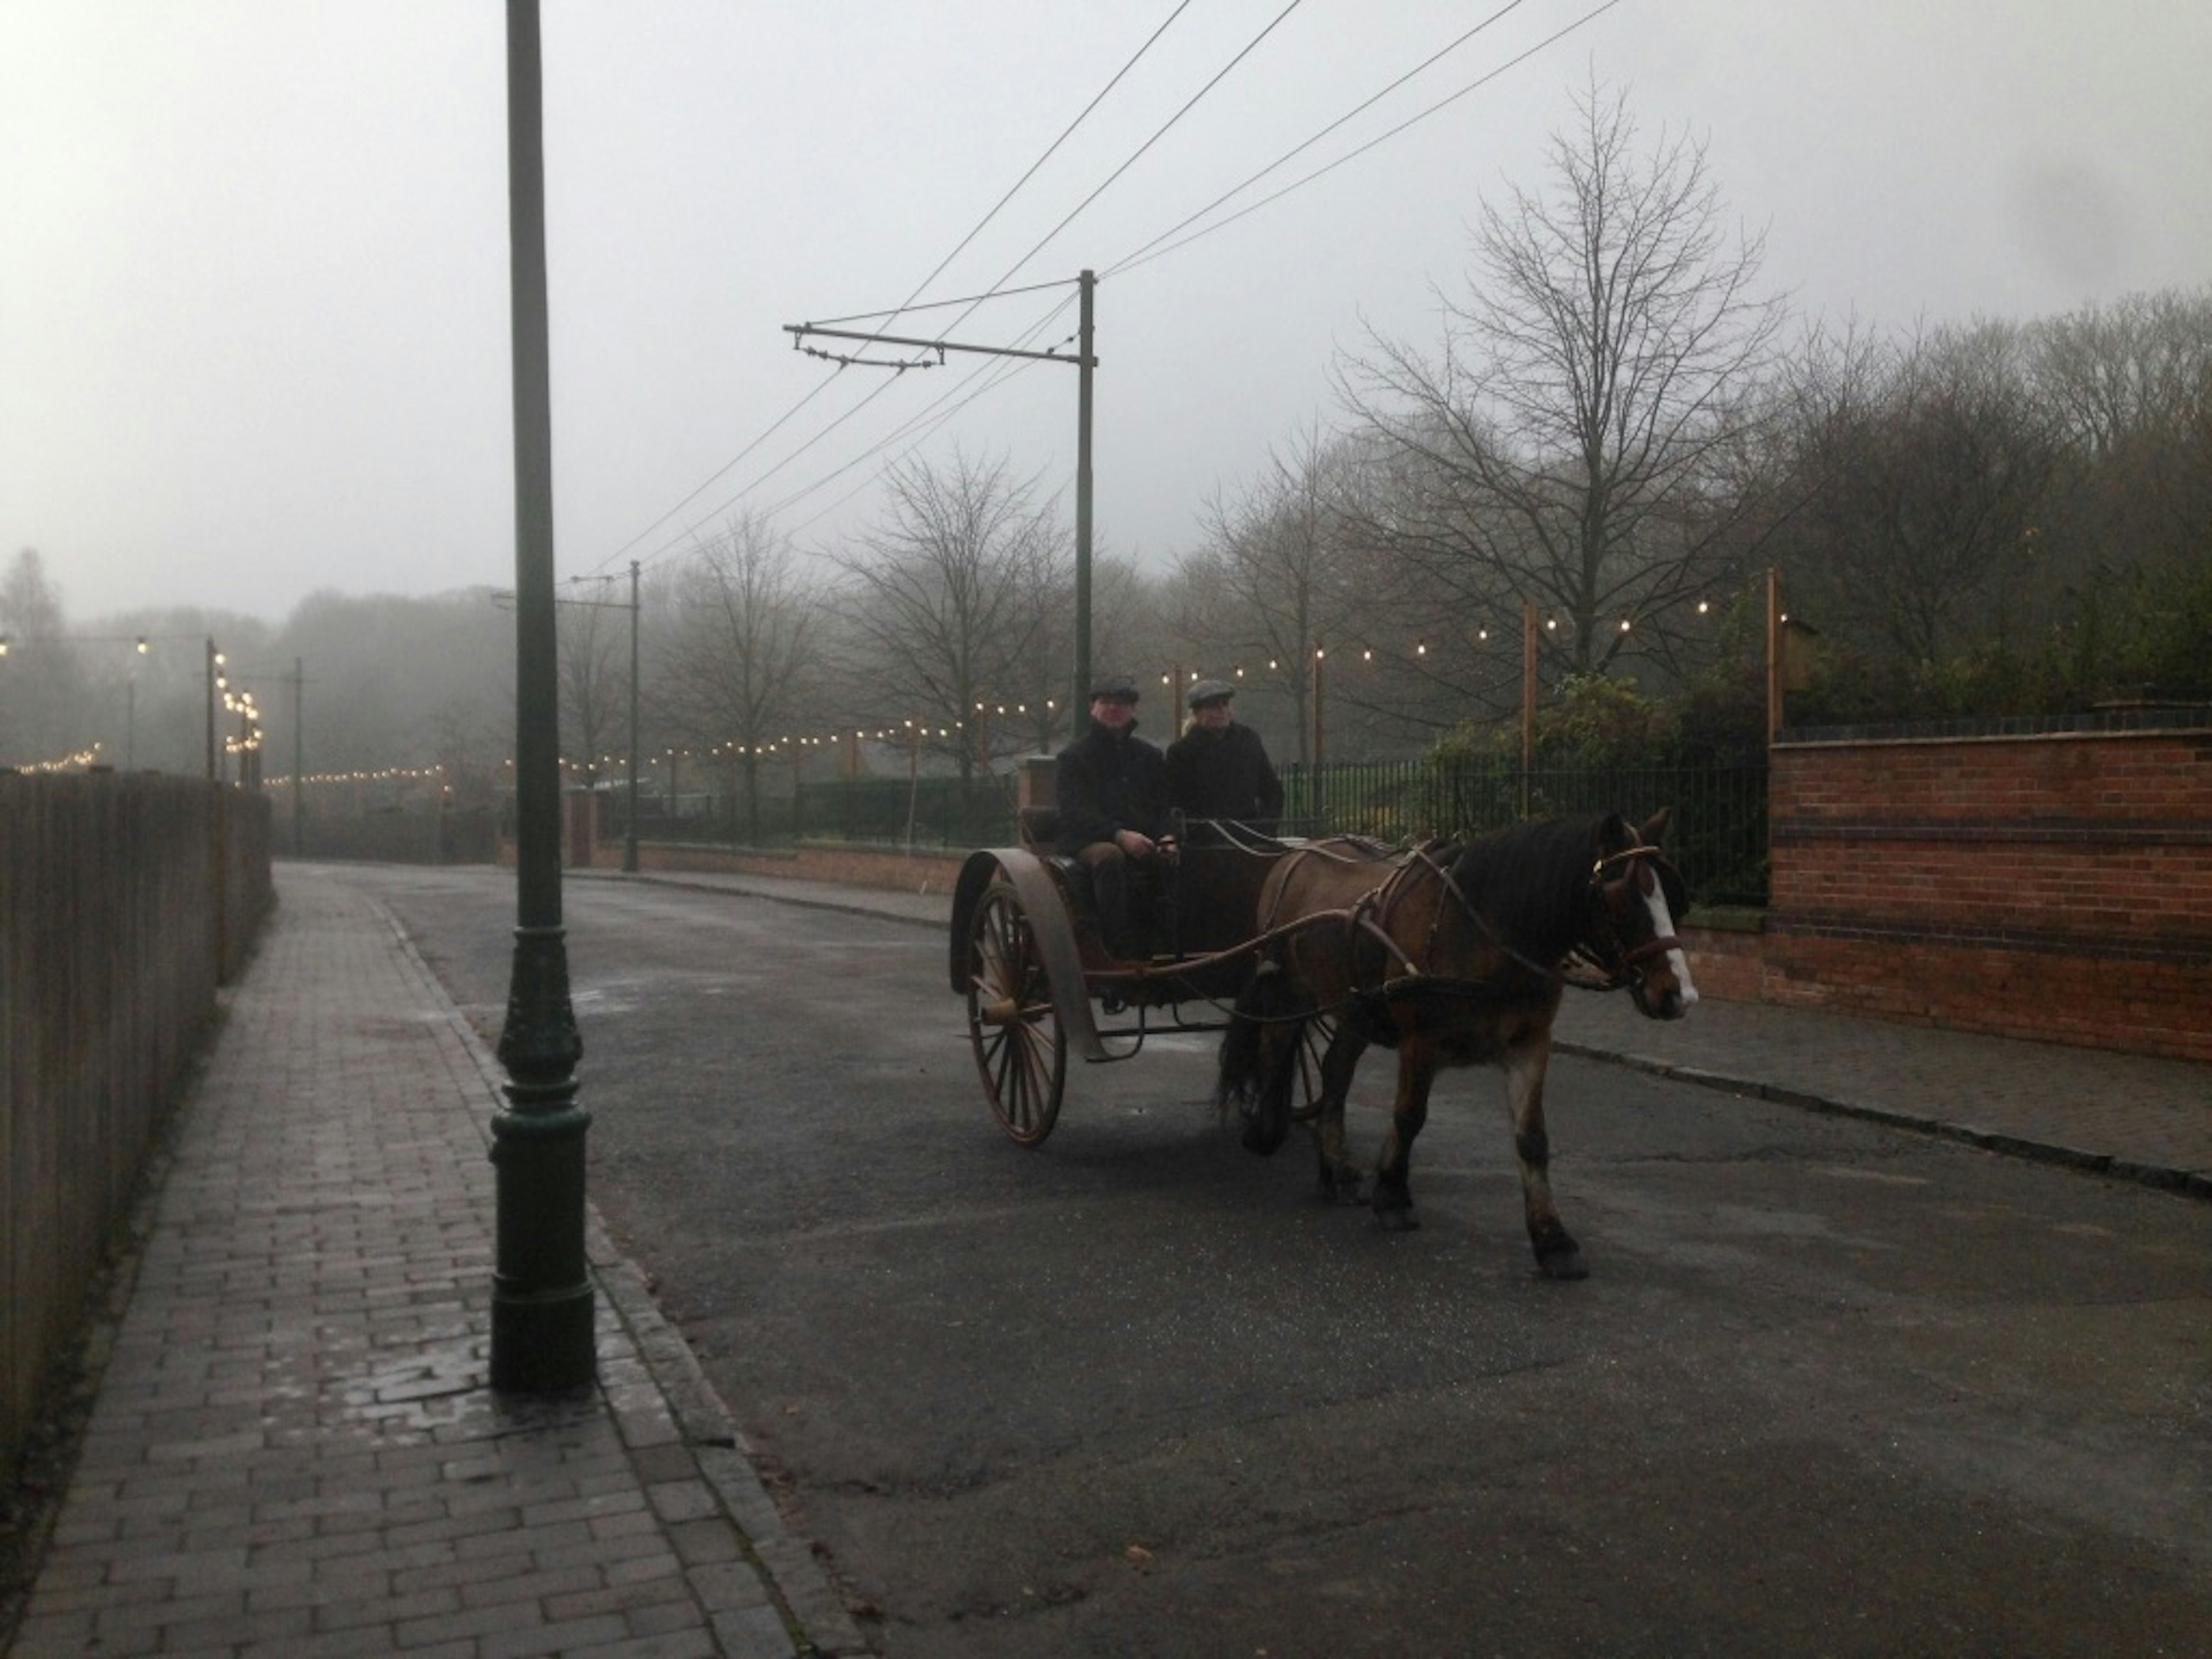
1717,835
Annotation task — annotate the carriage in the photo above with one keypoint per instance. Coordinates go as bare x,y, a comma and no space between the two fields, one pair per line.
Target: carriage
1027,954
1305,955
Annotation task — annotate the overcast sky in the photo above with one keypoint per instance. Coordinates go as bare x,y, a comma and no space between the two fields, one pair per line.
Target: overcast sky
253,262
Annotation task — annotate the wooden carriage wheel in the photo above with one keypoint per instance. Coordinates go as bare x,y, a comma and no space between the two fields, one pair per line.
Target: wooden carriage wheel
1021,1052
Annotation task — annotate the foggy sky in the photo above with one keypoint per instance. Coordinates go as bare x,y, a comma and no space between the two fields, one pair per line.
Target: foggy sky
253,264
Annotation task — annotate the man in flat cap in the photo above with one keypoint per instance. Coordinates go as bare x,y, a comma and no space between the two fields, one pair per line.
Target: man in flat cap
1110,789
1220,770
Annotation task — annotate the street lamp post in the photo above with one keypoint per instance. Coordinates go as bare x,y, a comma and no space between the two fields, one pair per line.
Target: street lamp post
542,1308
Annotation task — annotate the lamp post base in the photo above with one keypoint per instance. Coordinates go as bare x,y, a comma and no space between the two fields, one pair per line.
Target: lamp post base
543,1343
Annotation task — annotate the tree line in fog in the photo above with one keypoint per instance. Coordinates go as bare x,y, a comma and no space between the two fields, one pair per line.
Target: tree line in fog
1616,429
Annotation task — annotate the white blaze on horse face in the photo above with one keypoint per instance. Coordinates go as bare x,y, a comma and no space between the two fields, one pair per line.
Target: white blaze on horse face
1662,923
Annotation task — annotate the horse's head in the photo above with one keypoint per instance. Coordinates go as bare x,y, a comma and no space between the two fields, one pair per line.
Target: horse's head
1636,897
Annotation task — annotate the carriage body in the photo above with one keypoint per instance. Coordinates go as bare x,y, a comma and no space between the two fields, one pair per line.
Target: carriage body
1027,953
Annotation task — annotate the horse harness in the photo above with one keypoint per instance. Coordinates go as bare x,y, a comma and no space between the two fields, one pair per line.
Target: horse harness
1617,880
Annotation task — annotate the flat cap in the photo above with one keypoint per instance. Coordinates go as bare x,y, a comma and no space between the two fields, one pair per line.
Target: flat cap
1116,688
1207,691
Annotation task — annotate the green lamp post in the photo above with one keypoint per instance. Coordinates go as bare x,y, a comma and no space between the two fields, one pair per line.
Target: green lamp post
542,1311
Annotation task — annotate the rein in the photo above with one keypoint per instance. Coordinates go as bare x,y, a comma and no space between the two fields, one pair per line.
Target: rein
1591,964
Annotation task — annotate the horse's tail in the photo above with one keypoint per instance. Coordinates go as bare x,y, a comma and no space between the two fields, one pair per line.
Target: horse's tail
1259,1058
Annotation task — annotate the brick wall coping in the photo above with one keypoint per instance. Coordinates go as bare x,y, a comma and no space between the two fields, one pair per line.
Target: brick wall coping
2180,718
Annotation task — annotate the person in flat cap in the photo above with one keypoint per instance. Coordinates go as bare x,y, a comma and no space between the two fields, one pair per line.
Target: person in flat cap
1110,790
1218,770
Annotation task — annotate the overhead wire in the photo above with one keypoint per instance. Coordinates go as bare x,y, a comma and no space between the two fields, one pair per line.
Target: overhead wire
1144,257
1189,104
1050,149
1356,110
994,375
1145,253
998,287
824,384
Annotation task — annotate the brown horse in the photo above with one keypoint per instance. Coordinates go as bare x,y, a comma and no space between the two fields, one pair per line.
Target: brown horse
1454,954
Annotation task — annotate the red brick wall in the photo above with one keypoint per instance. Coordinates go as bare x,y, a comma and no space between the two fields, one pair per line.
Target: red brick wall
1725,962
857,867
2055,886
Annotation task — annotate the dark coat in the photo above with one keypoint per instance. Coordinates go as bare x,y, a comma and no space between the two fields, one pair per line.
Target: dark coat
1108,780
1225,774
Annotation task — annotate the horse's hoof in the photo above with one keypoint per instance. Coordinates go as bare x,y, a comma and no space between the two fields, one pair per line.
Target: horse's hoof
1564,1264
1337,1186
1257,1140
1397,1219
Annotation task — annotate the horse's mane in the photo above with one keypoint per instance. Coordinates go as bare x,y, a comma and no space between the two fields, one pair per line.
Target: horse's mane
1529,881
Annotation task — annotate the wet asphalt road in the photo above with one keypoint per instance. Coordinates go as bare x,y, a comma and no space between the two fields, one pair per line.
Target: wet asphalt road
1829,1389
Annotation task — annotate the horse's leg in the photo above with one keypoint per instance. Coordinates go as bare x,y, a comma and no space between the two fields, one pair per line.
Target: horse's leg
1394,1193
1339,1176
1268,1121
1525,1061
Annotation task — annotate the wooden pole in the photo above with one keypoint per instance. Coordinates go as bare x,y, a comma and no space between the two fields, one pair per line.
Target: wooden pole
1773,652
1528,701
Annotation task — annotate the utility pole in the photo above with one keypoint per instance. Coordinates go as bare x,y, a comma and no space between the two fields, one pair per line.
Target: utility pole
629,840
1079,698
214,673
1086,362
298,757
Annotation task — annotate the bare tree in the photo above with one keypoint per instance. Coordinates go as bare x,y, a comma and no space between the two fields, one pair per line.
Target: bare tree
951,598
42,698
1270,584
1925,468
1568,447
594,673
743,651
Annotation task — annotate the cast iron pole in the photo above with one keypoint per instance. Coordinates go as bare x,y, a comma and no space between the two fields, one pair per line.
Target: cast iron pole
542,1310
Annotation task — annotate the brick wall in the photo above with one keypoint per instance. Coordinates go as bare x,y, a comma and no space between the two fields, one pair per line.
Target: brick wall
2056,885
855,866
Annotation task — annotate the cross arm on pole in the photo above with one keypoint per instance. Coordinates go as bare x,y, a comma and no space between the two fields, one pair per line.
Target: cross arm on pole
799,331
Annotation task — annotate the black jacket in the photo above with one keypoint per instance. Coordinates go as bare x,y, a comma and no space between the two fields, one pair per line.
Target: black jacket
1225,774
1107,781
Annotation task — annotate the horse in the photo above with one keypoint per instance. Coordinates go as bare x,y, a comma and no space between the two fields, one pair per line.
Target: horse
1455,954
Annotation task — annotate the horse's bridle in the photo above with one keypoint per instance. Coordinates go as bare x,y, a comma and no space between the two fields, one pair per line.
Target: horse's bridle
1616,881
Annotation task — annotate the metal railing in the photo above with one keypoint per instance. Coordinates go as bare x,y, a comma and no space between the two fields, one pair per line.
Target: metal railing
1716,837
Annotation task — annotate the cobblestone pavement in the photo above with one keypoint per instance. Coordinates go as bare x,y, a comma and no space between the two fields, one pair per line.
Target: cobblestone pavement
295,1450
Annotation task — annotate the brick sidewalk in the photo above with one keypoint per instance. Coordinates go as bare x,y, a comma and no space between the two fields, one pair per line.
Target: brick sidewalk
294,1450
